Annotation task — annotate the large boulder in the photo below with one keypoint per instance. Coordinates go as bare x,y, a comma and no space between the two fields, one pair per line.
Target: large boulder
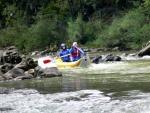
13,73
97,59
15,67
27,64
11,55
112,57
31,63
6,67
47,72
17,74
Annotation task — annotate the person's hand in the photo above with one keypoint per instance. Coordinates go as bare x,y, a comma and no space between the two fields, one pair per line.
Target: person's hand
58,57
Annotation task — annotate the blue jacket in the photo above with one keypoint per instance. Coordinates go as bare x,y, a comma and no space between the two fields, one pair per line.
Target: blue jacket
76,53
65,52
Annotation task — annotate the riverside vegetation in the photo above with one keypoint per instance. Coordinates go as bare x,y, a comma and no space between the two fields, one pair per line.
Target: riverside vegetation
39,24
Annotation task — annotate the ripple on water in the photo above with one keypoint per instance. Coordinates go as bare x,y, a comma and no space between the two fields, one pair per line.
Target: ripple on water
89,101
31,101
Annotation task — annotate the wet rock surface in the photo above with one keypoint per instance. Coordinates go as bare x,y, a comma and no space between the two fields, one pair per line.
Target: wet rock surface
13,66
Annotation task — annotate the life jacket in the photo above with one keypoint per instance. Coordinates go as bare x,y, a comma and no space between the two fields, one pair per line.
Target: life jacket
76,53
64,52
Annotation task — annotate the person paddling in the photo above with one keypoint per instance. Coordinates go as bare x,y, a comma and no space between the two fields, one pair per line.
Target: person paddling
64,53
76,52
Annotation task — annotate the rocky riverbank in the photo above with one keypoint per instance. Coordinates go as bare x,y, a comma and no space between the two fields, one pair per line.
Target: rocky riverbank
14,66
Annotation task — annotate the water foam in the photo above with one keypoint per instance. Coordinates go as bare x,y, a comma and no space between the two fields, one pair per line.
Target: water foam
83,101
48,64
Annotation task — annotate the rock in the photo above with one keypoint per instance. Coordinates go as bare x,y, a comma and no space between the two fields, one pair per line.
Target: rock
47,72
115,49
34,53
15,72
112,57
96,50
22,65
31,71
13,66
6,67
11,55
31,63
27,64
24,76
97,59
38,71
2,78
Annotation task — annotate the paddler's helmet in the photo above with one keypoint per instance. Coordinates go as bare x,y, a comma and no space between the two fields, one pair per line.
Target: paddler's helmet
63,45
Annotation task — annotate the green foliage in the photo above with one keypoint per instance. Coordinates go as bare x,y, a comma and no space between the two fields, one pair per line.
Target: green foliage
74,29
12,36
90,31
146,7
128,31
83,32
11,15
41,35
40,24
38,36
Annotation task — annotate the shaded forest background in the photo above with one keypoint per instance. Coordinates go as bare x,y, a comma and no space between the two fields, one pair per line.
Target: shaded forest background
40,24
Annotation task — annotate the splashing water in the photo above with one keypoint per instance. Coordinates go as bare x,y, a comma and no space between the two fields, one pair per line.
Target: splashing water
89,101
43,64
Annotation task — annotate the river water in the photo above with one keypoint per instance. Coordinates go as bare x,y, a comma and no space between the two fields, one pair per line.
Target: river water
108,87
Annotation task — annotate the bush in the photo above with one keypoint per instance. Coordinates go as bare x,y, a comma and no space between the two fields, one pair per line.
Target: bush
83,32
128,31
12,36
42,35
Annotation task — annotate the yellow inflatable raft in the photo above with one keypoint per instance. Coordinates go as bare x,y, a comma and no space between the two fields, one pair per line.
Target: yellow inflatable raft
62,64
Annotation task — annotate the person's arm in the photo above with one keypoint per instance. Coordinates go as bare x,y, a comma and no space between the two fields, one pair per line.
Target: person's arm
68,50
82,52
71,50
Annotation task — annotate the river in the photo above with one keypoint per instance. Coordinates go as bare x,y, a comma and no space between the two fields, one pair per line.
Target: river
108,87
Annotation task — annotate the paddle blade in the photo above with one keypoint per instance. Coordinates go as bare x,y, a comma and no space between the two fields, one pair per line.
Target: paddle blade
47,61
85,61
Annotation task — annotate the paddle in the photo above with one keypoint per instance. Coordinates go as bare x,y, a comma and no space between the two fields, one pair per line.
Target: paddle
64,56
85,61
82,52
47,61
44,61
59,58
